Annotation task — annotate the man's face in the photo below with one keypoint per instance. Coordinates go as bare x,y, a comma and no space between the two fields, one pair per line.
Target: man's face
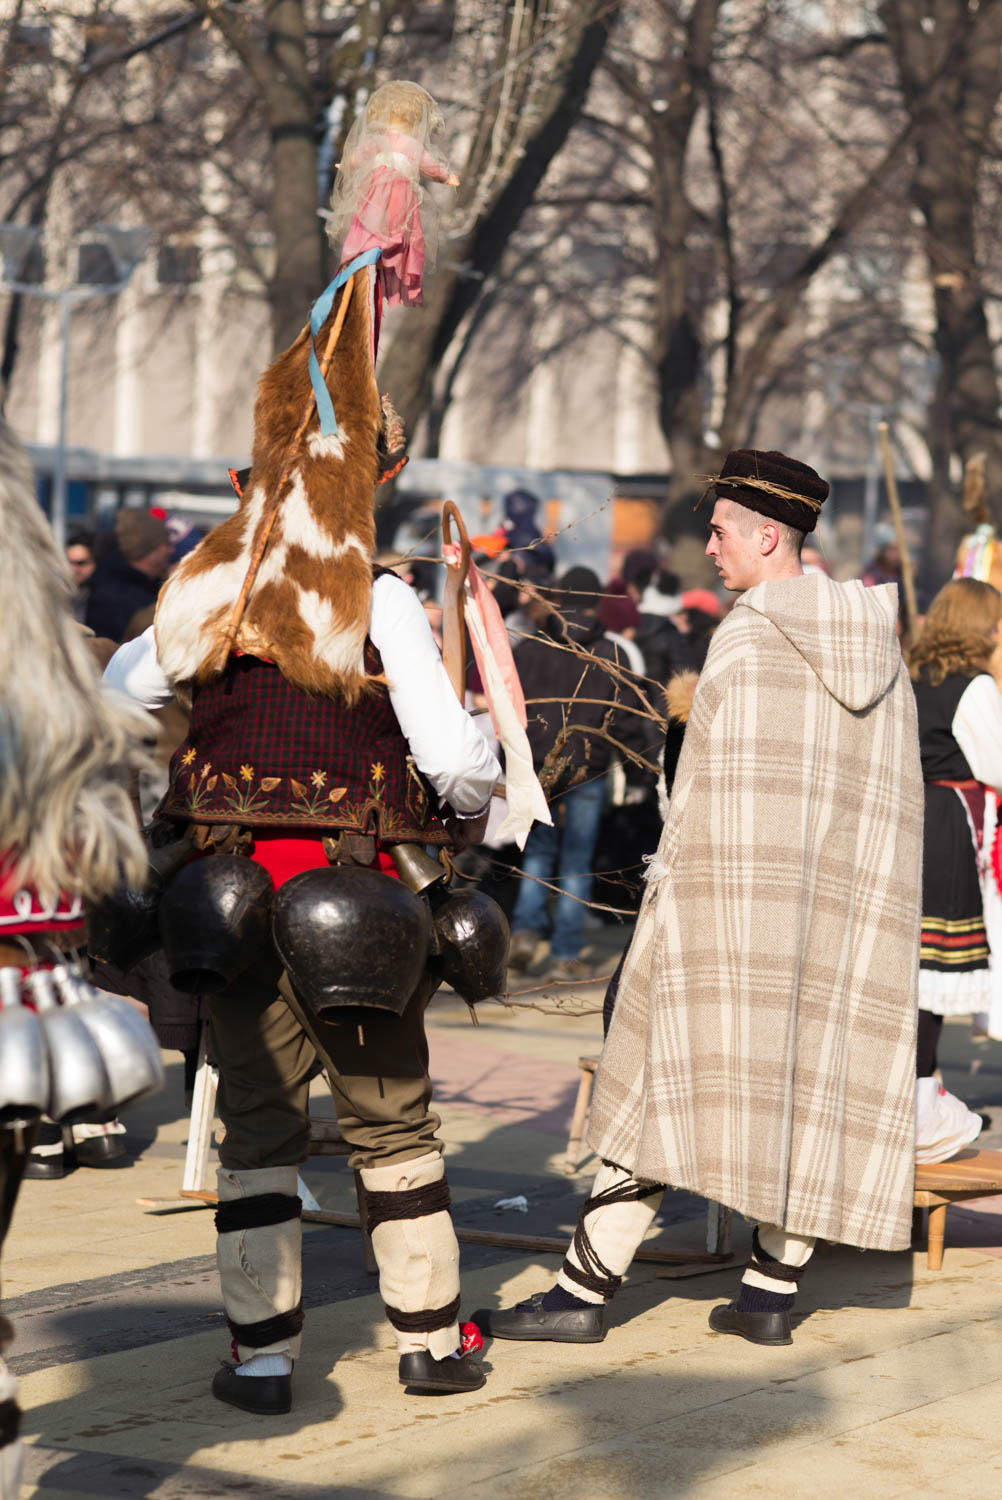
737,557
81,562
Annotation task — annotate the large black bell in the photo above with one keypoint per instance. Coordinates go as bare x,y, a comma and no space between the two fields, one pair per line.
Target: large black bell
123,929
215,921
473,936
351,937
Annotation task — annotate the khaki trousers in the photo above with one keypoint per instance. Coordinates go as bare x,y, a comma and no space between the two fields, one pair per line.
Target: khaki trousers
265,1045
377,1064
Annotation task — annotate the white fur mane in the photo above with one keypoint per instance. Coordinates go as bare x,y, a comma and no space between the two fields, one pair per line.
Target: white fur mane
67,749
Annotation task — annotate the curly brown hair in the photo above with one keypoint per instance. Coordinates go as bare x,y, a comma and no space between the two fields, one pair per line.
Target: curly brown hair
959,631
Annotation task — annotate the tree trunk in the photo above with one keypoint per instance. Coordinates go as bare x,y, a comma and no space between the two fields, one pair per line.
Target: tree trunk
281,73
948,58
422,341
299,254
678,342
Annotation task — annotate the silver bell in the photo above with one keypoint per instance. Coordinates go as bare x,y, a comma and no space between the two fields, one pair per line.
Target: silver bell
128,1047
24,1058
79,1082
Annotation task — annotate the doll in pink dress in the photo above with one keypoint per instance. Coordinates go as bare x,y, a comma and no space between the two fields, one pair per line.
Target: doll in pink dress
378,197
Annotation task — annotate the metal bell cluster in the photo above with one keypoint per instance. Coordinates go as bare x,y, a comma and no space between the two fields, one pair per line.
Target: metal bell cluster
72,1052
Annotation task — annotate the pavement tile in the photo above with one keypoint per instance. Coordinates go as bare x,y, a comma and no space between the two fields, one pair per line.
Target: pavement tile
891,1387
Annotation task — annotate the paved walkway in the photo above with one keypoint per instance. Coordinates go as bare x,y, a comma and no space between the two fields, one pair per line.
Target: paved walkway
892,1387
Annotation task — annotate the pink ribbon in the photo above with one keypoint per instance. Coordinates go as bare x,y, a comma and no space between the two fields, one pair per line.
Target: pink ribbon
479,596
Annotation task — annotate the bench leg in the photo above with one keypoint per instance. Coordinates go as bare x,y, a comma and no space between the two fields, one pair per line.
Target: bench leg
578,1122
918,1226
195,1177
937,1234
718,1229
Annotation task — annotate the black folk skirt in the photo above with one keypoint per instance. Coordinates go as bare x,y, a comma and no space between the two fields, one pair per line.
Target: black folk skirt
954,961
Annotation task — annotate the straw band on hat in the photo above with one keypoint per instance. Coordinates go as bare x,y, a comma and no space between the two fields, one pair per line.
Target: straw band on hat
772,484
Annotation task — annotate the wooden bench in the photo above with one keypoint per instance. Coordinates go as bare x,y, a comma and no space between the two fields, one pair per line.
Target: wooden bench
970,1174
582,1104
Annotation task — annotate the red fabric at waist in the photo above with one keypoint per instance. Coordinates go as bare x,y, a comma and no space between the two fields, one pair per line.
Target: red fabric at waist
973,794
284,856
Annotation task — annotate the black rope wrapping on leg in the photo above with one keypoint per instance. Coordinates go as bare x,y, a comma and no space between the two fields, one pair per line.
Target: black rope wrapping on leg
269,1330
423,1322
764,1263
408,1203
593,1274
257,1211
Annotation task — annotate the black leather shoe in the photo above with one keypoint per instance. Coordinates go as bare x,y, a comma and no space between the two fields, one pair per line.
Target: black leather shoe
530,1320
266,1395
98,1150
756,1327
421,1372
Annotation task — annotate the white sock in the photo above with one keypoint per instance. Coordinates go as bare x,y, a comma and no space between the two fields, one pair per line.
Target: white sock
266,1364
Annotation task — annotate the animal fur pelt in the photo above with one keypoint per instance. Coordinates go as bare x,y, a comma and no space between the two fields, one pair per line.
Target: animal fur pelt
309,608
67,750
678,695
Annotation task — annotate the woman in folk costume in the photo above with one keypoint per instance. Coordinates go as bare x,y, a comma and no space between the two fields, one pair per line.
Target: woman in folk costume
323,731
960,732
67,829
378,199
762,1048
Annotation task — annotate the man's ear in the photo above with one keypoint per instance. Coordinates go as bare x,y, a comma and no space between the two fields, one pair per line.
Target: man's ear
768,538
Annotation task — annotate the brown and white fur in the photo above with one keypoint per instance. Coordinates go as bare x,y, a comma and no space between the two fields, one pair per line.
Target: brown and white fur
309,608
67,750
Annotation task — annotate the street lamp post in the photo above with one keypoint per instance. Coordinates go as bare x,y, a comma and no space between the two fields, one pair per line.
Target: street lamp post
126,248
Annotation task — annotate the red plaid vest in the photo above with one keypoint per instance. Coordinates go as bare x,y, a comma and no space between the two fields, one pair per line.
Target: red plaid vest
263,754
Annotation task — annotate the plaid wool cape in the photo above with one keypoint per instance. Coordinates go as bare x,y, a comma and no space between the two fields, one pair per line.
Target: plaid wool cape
762,1050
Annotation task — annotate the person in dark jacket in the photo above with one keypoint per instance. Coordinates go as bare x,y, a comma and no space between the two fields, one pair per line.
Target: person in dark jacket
573,705
658,596
128,578
80,556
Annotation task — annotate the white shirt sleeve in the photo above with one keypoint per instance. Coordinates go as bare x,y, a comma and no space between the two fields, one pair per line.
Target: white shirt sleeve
446,744
977,728
135,671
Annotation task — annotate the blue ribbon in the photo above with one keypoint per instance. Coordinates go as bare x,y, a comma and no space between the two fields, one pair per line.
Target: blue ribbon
319,314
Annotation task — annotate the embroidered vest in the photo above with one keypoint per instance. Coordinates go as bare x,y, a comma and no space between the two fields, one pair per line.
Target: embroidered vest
263,754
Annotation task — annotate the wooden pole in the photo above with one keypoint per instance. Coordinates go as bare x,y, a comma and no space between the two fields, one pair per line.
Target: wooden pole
500,1238
267,523
454,602
907,570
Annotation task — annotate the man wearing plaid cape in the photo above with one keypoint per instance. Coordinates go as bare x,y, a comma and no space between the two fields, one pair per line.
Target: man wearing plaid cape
762,1048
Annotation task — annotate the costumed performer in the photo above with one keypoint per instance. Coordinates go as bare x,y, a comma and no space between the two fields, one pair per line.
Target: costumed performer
378,199
328,736
762,1048
960,732
67,828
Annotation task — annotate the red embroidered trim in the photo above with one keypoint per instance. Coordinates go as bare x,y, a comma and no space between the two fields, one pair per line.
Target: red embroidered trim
997,858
